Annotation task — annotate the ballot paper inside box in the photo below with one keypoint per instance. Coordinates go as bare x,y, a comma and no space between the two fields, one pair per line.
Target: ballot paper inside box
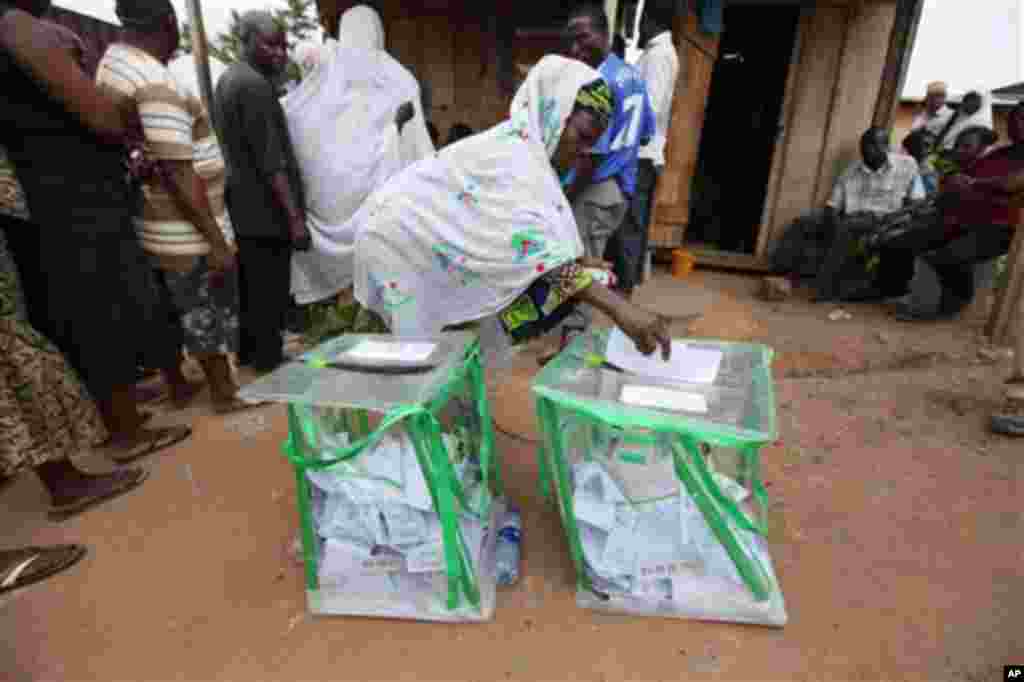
658,481
397,482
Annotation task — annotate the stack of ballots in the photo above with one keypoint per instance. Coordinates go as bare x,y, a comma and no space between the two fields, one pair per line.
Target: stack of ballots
397,477
658,478
381,538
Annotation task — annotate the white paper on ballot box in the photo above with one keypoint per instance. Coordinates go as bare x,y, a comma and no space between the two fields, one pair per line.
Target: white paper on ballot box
659,398
393,351
687,363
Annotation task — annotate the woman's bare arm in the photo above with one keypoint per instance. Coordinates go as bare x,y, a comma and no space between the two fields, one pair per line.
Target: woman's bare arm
648,331
40,50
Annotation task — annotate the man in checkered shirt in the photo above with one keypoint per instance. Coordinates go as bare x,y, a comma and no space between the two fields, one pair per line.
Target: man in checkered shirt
877,184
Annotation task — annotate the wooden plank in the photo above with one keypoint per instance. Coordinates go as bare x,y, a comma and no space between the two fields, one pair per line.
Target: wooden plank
1009,302
901,46
671,210
857,86
809,112
730,260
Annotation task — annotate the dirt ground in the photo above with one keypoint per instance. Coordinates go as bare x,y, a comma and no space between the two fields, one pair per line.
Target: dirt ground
895,527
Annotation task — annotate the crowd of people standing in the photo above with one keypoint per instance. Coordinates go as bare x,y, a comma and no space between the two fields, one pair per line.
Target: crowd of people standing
175,229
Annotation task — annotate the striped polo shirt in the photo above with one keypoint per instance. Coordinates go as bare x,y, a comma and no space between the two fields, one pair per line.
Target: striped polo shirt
176,128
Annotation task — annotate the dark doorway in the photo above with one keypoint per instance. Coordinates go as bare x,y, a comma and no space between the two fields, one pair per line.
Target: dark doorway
741,126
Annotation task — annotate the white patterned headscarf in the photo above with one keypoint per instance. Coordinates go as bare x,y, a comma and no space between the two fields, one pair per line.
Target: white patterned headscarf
459,236
546,98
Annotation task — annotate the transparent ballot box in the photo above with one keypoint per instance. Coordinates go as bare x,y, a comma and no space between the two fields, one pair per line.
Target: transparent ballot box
396,473
658,481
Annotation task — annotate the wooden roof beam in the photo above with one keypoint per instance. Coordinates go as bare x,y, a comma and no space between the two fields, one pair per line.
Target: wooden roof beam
901,45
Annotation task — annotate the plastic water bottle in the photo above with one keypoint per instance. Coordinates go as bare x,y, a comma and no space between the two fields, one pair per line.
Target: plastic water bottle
507,552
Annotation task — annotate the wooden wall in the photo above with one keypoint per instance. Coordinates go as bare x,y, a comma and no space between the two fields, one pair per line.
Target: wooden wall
456,55
832,91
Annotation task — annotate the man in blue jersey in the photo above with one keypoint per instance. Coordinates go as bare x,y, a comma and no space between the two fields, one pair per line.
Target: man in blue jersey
605,180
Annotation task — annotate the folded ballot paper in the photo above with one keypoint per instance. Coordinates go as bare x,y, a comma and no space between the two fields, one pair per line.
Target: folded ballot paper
381,547
649,549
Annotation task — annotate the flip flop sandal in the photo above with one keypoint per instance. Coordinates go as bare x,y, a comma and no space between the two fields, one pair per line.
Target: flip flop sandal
131,479
235,405
1010,421
155,441
29,565
1007,425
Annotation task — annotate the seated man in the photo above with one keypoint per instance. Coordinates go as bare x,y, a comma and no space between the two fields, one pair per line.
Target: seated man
936,115
876,185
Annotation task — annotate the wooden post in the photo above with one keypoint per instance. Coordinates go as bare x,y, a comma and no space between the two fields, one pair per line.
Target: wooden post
1010,299
200,53
901,44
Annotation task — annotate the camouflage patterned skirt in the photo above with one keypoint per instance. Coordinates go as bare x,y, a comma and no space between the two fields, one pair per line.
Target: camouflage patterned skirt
45,412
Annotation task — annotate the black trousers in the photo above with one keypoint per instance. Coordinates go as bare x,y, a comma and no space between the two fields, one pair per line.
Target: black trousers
952,259
625,251
896,259
641,208
264,277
